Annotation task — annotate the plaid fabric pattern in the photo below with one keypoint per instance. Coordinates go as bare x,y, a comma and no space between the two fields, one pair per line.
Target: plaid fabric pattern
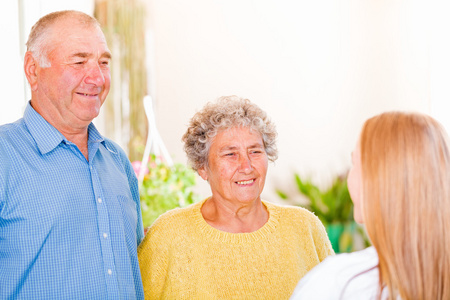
69,228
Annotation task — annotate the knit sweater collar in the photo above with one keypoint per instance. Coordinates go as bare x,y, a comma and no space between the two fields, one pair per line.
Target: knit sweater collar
228,237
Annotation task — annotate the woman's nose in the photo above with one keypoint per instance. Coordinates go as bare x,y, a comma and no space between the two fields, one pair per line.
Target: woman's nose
245,165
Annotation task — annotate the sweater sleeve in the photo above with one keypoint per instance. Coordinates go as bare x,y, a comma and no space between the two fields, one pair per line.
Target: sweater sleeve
153,261
321,240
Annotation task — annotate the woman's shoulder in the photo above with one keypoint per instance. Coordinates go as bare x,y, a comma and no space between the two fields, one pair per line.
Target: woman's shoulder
355,273
294,214
176,217
170,226
288,209
351,263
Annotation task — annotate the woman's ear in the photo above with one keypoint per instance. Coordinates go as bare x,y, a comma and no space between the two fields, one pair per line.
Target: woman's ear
30,66
203,174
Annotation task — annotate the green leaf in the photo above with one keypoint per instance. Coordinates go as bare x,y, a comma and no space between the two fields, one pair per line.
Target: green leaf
165,188
282,195
332,205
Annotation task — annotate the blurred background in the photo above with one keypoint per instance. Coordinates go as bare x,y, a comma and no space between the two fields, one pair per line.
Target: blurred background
319,68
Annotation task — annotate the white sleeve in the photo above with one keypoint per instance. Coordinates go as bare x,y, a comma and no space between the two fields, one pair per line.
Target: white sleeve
319,283
355,273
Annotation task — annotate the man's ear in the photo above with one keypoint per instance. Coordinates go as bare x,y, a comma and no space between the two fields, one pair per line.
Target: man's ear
203,174
30,66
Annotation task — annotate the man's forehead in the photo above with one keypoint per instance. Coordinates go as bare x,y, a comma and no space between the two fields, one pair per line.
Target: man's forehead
73,28
80,40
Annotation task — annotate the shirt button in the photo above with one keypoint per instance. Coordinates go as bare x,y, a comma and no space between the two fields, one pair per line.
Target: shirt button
99,200
105,235
109,271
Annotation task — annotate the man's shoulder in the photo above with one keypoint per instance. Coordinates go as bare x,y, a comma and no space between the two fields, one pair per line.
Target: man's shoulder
12,136
12,129
111,145
118,155
114,148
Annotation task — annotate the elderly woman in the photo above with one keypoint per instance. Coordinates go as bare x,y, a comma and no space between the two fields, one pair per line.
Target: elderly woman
231,245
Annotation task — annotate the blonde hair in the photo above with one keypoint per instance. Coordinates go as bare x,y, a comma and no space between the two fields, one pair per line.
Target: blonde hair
405,165
38,40
227,112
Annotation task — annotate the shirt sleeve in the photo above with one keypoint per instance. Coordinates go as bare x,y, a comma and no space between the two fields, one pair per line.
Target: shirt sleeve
140,226
349,276
4,161
316,284
134,187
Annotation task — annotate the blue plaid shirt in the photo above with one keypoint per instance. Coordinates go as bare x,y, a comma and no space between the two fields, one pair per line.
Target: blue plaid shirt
69,228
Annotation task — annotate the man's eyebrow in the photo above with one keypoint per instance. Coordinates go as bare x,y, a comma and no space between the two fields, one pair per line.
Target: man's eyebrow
81,54
86,54
106,55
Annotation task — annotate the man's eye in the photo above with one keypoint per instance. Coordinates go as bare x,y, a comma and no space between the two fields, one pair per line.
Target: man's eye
104,63
79,62
229,154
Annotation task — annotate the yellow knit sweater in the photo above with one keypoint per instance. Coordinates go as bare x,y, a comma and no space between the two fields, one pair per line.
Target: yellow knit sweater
183,257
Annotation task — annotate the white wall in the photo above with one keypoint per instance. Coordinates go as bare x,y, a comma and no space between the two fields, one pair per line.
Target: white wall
11,78
16,20
319,68
439,39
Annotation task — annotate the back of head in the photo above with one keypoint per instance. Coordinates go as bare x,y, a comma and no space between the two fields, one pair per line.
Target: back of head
38,40
405,164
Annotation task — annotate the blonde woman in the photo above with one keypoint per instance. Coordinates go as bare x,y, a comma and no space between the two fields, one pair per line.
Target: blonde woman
400,185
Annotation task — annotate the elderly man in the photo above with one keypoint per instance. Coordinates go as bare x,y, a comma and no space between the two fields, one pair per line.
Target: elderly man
70,219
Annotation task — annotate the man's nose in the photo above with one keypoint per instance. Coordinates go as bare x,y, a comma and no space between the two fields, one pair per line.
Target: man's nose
95,75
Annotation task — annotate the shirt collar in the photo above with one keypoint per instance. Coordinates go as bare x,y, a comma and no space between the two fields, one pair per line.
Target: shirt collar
48,137
94,135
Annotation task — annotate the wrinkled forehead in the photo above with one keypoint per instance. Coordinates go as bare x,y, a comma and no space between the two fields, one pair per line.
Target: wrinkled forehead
72,35
66,28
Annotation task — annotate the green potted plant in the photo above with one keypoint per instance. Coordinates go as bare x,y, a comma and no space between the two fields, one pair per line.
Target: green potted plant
164,187
334,207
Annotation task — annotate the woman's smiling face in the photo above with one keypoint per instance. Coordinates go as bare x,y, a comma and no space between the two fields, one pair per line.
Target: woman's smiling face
237,166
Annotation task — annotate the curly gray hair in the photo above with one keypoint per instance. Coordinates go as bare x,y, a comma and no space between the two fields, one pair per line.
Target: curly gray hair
227,112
